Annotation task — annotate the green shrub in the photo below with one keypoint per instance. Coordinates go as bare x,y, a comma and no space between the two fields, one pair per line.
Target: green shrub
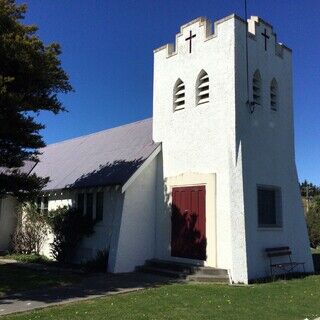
313,222
68,228
99,263
29,258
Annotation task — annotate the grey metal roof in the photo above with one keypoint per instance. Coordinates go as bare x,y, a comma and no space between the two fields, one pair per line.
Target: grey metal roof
26,168
107,157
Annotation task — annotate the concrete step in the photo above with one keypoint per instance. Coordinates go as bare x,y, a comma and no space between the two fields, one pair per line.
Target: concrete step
179,270
208,278
161,272
211,271
170,265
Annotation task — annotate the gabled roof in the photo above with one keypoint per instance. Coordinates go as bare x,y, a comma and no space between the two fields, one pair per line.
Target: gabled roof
108,157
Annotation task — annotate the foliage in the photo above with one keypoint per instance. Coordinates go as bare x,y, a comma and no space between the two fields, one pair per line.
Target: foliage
99,264
313,222
29,258
31,230
31,77
309,189
68,227
280,300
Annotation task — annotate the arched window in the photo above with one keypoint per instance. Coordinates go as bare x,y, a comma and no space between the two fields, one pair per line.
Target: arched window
202,88
178,95
256,88
274,95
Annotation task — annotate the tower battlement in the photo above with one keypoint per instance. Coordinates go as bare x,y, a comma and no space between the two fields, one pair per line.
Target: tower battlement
202,28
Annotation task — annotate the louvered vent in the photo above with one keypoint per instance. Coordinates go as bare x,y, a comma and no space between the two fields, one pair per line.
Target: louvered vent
179,96
274,95
256,88
203,88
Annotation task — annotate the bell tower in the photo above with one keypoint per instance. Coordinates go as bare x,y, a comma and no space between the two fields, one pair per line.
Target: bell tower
226,127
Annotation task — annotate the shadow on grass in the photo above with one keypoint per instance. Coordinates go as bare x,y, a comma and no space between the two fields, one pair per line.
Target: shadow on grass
86,286
15,278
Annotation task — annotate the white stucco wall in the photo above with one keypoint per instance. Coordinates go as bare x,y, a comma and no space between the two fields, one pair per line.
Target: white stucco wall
7,221
200,139
136,238
101,238
266,141
222,137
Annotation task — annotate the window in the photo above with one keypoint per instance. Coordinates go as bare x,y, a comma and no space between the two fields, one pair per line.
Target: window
45,204
80,203
274,95
38,204
269,206
89,205
202,90
42,204
178,95
256,88
99,206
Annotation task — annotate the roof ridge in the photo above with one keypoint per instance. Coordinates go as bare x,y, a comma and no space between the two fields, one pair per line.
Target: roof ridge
96,133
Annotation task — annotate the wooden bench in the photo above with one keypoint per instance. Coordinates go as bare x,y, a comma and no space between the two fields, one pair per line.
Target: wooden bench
287,266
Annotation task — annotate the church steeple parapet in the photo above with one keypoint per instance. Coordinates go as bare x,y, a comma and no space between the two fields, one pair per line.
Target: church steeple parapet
200,30
260,29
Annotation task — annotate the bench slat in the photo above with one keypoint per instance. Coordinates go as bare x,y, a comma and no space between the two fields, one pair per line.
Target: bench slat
277,249
279,254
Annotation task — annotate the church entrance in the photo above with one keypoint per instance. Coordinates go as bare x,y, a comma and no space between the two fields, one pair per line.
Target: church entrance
188,222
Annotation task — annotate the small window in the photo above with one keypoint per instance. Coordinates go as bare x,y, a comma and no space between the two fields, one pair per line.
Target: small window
256,88
99,206
80,203
178,95
274,95
38,204
269,207
89,205
202,90
45,204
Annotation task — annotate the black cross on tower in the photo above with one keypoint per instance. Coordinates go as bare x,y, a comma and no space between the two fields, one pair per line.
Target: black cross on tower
265,38
190,40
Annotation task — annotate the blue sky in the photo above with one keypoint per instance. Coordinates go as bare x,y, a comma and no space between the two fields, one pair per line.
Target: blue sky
108,53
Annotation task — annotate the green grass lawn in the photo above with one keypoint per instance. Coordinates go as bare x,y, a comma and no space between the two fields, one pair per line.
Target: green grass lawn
294,299
14,279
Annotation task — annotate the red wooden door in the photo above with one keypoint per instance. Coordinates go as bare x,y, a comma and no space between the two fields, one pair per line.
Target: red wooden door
188,222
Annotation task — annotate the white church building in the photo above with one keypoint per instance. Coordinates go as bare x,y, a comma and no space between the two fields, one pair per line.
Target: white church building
211,179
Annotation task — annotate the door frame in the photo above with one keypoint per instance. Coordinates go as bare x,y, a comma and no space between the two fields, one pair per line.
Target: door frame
190,179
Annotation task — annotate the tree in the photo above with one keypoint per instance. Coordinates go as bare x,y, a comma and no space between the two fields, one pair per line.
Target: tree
308,190
31,231
31,77
313,222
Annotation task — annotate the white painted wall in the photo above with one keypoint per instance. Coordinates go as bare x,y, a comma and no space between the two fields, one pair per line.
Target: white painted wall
222,137
100,239
266,140
136,237
199,139
7,221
